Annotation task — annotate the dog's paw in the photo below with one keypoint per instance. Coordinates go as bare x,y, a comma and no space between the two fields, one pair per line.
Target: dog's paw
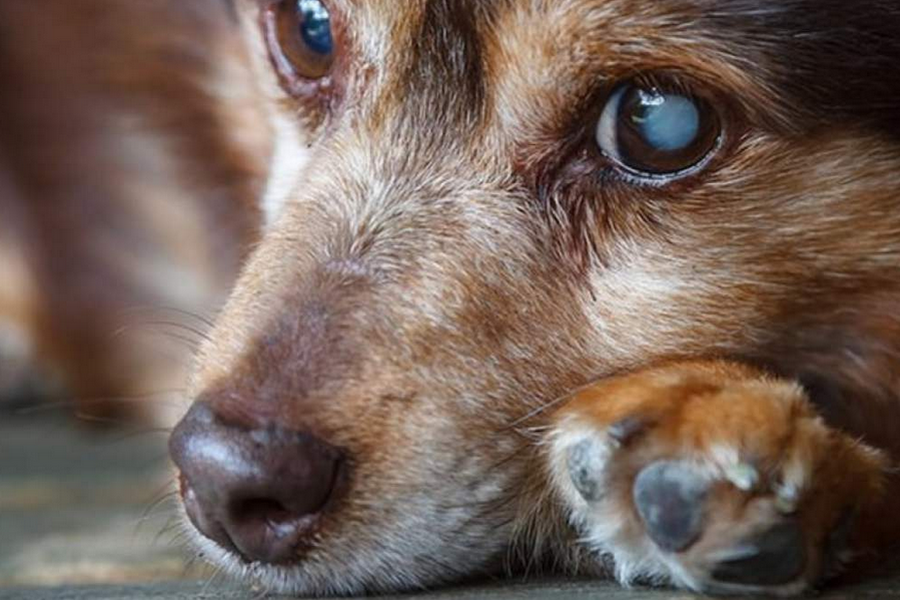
711,477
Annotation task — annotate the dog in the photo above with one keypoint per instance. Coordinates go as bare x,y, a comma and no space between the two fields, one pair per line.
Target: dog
608,286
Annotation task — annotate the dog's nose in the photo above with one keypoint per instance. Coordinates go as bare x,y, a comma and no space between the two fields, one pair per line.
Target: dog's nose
255,491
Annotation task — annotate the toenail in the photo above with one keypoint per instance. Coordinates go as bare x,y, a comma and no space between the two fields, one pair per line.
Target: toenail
743,475
787,500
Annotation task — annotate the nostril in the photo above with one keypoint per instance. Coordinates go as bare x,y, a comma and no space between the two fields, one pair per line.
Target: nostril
262,510
265,529
203,520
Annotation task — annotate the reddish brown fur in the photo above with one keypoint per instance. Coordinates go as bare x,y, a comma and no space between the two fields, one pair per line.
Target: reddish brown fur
448,256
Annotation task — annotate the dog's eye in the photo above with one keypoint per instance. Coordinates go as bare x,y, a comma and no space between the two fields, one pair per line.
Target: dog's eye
300,38
652,132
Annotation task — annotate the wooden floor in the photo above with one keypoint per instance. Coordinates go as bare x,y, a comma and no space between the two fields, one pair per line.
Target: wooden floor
85,516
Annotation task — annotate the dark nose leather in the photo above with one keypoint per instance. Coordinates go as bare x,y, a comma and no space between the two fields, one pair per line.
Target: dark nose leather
254,491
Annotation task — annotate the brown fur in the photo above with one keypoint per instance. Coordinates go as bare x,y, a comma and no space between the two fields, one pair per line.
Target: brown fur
447,256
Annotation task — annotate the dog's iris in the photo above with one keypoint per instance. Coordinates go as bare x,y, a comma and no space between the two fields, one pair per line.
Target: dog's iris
315,26
653,132
301,41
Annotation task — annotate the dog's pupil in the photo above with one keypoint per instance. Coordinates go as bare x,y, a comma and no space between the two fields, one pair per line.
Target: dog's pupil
667,122
315,26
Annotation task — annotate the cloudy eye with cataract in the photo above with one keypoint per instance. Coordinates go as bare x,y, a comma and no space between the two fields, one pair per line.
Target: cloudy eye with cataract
651,132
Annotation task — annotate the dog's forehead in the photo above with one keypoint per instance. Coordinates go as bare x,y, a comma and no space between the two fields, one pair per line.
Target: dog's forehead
545,39
785,58
519,63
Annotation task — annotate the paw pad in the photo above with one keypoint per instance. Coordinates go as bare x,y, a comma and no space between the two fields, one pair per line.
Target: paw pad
670,498
585,462
775,557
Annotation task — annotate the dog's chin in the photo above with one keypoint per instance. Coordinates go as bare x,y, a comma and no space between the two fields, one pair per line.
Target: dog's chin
334,574
309,578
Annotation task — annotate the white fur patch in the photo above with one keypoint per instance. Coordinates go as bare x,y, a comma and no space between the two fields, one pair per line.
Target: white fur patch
289,160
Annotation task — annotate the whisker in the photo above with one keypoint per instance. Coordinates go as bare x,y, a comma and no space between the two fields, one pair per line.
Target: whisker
199,333
168,309
160,494
218,571
508,458
263,593
164,327
535,435
191,563
155,461
551,404
171,525
181,537
189,343
123,400
148,512
140,433
100,420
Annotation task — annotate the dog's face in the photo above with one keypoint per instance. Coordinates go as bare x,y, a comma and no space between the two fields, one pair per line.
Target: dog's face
477,207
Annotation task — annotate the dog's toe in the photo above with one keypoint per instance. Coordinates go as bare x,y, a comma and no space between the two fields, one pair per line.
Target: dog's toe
585,462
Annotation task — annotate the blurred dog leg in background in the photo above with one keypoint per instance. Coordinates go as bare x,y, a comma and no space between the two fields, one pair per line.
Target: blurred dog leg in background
17,382
131,154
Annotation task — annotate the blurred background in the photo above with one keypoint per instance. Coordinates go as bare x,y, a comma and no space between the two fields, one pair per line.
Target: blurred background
131,156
